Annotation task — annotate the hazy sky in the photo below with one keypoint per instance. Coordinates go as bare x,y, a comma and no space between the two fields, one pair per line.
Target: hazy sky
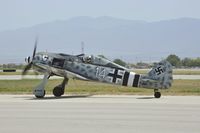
22,13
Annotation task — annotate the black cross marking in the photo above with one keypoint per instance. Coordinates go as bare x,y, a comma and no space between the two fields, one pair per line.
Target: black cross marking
159,70
115,76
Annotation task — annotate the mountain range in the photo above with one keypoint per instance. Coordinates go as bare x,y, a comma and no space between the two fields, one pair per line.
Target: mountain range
129,40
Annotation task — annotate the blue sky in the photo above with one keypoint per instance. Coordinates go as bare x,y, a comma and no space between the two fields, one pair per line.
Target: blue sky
23,13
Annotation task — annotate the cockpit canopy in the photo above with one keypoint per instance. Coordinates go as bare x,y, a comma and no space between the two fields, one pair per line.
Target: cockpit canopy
97,60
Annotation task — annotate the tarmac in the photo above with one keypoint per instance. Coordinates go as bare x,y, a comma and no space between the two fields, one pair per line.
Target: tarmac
99,114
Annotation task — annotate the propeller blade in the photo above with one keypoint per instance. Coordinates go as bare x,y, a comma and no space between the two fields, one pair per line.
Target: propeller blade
35,47
28,67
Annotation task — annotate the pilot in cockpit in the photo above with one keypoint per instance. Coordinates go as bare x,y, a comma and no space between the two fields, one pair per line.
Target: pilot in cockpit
87,59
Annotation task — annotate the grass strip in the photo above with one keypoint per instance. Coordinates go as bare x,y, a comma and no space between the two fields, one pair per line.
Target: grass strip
25,86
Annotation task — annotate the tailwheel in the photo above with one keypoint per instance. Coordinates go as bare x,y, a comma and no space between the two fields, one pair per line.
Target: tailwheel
58,91
41,95
157,94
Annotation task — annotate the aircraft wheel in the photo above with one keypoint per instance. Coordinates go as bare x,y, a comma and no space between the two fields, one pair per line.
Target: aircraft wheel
157,94
58,91
41,96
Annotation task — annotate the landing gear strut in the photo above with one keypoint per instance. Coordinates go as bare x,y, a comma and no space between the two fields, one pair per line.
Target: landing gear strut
157,94
39,90
60,89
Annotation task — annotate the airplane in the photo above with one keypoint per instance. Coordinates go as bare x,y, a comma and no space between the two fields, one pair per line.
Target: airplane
94,68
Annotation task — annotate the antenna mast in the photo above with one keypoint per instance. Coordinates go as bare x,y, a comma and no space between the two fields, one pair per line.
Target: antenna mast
82,47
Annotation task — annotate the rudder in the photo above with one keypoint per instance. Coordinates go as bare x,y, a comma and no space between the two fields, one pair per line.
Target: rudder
160,77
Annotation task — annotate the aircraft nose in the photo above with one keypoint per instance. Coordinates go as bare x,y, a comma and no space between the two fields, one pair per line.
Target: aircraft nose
27,59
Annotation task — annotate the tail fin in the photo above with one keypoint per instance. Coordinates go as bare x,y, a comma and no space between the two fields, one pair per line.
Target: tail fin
160,77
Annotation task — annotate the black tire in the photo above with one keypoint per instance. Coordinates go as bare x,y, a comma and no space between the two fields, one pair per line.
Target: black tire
41,96
58,91
157,94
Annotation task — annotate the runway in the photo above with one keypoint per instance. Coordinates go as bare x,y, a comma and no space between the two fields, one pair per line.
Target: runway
99,114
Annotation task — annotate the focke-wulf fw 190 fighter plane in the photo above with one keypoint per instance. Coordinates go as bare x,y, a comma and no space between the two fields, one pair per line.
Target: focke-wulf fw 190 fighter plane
94,69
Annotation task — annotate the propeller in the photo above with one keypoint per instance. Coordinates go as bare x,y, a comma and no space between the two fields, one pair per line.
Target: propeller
30,62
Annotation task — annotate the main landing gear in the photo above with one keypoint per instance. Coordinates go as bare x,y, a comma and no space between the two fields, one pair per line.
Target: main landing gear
60,89
157,94
39,90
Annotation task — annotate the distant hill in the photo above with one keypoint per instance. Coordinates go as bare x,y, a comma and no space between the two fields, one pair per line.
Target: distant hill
130,40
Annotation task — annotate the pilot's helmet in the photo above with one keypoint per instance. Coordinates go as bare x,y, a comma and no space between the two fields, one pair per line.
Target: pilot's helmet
89,59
